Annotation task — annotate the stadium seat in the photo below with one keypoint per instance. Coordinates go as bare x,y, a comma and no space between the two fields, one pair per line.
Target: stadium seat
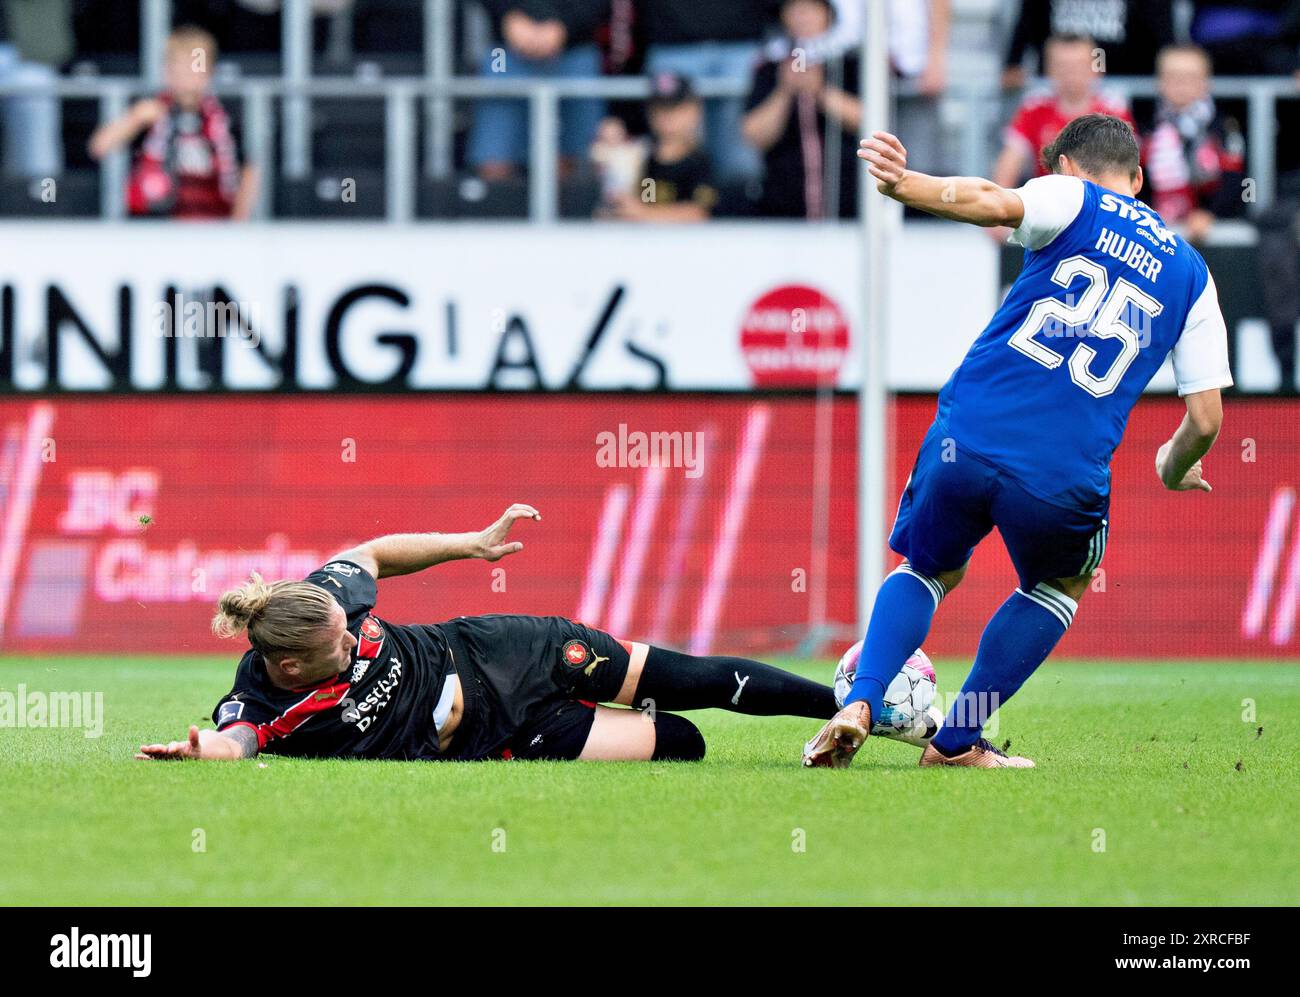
75,193
579,197
736,199
469,197
321,195
347,134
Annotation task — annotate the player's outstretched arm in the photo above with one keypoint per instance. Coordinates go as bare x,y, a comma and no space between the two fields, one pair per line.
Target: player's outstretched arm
204,745
963,199
1178,462
405,553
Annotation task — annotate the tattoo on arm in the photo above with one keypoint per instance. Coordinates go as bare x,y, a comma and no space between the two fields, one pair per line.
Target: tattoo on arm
245,737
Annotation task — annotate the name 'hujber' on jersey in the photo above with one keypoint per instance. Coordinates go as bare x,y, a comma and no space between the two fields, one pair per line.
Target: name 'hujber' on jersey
1129,252
1045,391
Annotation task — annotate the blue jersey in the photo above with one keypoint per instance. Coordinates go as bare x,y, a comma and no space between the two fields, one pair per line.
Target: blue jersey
1107,291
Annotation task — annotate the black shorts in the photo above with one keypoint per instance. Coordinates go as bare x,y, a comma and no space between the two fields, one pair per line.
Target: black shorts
530,684
558,731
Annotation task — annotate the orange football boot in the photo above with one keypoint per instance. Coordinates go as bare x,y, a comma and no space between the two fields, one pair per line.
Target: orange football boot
837,742
980,755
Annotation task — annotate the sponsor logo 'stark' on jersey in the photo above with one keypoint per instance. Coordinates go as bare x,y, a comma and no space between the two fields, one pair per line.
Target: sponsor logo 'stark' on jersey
1107,291
380,706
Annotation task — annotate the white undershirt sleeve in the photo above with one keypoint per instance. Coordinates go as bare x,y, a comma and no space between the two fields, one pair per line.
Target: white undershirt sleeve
1201,353
1051,204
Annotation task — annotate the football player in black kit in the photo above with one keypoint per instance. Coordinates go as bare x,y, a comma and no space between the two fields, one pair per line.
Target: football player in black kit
326,678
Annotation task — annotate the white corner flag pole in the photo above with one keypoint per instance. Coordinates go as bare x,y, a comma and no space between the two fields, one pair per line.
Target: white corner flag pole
874,328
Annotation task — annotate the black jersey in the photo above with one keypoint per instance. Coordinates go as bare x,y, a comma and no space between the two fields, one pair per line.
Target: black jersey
688,180
382,706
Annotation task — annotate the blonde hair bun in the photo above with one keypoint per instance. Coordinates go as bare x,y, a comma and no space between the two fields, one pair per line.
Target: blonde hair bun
238,607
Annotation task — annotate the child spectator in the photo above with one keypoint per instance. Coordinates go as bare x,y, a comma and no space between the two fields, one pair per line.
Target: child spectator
678,177
187,163
711,40
1194,159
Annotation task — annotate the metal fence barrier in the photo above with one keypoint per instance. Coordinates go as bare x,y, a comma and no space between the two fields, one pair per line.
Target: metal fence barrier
979,111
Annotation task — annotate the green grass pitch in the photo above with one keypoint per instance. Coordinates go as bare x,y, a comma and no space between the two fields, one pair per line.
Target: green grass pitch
1154,786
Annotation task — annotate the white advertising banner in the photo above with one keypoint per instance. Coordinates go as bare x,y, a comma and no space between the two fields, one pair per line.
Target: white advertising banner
605,307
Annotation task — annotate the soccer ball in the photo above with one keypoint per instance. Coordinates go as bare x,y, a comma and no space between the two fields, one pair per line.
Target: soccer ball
909,714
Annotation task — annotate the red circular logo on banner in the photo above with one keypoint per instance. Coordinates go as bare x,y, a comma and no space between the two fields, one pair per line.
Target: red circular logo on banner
794,337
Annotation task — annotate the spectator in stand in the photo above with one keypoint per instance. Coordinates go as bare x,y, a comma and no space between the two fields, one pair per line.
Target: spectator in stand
918,54
35,40
804,115
187,160
1194,158
677,185
1129,33
711,40
541,39
1072,78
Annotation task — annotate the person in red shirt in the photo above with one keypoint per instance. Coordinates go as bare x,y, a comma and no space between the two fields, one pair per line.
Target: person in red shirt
187,161
1071,63
1072,74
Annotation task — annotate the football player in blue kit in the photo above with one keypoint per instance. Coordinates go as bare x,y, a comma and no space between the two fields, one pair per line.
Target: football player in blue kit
1026,426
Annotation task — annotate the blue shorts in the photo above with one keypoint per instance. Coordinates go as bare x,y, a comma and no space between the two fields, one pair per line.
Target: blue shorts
954,499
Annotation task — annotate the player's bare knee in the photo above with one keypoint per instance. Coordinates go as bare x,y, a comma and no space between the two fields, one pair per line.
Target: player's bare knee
1073,587
951,579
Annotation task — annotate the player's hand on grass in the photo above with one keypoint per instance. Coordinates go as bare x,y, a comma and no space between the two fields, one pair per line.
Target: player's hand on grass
886,160
173,750
1191,481
492,544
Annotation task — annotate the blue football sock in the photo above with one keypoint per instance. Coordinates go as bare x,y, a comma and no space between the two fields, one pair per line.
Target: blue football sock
900,619
1016,641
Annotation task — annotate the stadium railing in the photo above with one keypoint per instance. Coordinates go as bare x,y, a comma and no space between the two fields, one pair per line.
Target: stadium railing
980,114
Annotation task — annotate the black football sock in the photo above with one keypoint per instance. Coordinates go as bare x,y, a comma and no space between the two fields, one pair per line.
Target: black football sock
674,681
676,739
